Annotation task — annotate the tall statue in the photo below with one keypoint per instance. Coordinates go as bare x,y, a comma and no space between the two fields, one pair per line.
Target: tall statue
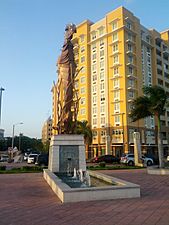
66,106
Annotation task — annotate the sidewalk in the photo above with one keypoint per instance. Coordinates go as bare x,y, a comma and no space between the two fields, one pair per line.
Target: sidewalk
26,199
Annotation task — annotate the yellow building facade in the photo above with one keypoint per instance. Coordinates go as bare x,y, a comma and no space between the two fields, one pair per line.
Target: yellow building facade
47,130
115,57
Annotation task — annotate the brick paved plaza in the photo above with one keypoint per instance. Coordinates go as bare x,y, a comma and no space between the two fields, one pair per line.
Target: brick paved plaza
26,199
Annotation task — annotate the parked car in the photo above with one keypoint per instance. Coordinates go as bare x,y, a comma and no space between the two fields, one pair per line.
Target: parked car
106,159
42,160
129,160
4,158
32,158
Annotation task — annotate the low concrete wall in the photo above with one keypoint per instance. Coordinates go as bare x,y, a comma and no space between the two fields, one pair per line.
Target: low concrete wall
157,171
122,189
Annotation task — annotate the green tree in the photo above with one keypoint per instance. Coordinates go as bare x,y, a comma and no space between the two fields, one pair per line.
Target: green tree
153,102
82,127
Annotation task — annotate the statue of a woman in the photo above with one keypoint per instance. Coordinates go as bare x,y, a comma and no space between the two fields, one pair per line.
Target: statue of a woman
66,72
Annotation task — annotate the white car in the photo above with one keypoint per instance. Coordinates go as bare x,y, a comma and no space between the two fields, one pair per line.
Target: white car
129,160
32,158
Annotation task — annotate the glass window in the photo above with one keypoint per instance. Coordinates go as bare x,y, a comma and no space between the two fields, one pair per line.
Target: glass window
94,56
114,25
82,101
101,42
93,35
82,111
102,97
102,86
116,83
116,95
82,59
115,37
94,88
94,99
116,70
82,38
101,31
82,79
102,120
116,106
102,108
82,90
94,110
82,49
102,64
94,121
116,59
94,77
101,75
82,70
117,119
101,53
115,48
93,67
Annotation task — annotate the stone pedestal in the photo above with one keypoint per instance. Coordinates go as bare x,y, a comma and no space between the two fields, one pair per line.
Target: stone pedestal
66,153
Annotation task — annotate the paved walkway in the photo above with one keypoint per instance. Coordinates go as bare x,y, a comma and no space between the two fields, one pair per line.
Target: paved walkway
26,199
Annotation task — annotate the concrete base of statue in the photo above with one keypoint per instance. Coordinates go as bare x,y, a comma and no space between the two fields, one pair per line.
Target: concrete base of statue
66,153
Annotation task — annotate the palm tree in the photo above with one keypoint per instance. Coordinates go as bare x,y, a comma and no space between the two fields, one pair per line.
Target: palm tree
153,102
82,127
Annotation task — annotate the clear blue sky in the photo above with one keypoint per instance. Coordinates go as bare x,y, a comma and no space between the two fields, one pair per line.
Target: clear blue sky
31,36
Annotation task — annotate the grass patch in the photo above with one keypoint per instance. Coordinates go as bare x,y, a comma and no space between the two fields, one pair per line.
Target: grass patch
24,169
113,167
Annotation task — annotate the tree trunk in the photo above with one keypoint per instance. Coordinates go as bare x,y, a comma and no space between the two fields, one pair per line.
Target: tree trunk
160,144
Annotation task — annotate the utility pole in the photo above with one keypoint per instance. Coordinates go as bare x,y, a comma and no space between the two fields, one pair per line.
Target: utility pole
1,90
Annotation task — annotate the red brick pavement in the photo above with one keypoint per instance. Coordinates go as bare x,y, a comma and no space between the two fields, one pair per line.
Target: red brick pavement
26,199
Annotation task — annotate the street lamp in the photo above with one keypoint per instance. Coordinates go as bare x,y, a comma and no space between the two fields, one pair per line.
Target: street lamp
1,90
13,132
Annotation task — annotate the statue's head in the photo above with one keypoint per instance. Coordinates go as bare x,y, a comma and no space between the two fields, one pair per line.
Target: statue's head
71,27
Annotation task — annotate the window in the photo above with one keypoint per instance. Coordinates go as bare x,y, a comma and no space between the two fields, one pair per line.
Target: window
129,36
131,94
94,121
116,59
82,59
82,49
115,37
94,77
116,70
101,53
116,83
94,56
116,95
94,99
128,25
82,38
94,67
93,46
102,97
82,111
82,79
94,88
114,25
102,86
129,47
117,119
131,83
93,35
102,64
82,70
102,120
130,70
101,31
76,84
130,59
102,108
82,90
101,42
101,75
115,48
94,110
116,107
103,133
82,101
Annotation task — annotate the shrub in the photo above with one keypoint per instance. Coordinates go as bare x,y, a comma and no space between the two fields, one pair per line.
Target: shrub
3,168
102,164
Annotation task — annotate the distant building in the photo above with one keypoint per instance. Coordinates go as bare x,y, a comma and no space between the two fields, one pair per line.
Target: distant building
47,130
1,133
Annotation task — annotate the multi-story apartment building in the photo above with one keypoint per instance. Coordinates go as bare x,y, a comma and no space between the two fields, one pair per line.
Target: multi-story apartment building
47,130
117,56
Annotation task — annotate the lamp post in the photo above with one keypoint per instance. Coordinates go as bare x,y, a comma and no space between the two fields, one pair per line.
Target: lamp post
13,132
1,90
